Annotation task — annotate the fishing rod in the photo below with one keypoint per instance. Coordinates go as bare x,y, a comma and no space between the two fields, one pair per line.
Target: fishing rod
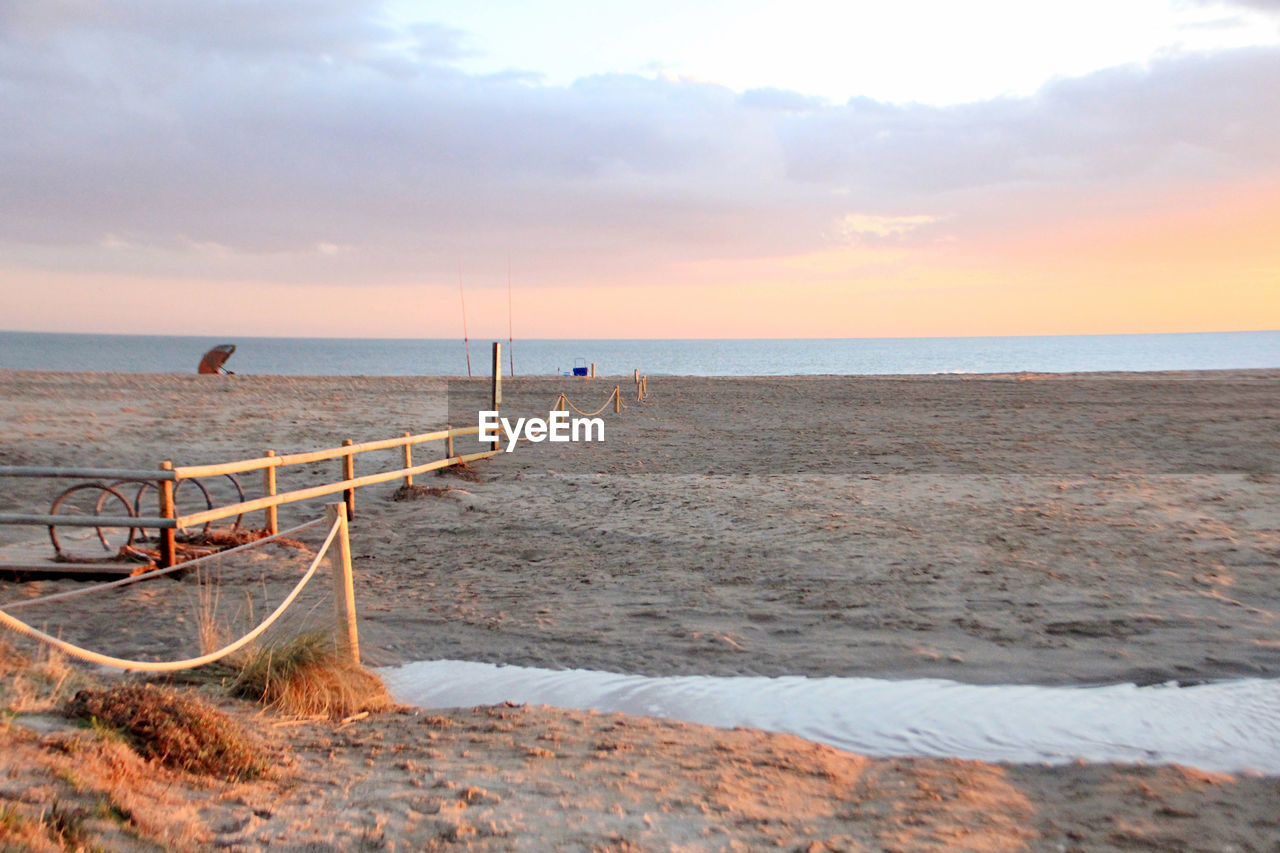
466,340
511,347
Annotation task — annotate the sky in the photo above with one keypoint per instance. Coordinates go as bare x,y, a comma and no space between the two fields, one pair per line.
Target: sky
703,168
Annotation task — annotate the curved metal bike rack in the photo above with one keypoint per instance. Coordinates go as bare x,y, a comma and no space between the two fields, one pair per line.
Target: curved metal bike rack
106,491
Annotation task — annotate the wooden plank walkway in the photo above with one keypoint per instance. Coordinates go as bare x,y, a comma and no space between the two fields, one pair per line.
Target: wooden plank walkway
36,559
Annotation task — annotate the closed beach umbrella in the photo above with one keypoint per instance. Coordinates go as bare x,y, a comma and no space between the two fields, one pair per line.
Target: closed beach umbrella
215,358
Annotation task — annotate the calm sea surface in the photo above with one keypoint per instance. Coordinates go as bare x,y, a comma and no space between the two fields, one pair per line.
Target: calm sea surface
386,357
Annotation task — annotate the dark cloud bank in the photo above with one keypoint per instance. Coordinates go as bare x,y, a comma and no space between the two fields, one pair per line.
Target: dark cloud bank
322,133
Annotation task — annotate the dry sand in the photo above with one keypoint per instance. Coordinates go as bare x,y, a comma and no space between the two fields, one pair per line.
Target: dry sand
1049,529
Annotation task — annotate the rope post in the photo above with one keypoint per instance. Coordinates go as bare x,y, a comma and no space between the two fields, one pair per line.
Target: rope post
637,376
617,399
408,458
169,510
349,473
593,370
344,590
271,519
448,443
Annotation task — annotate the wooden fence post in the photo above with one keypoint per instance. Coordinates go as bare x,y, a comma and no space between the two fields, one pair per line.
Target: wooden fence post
448,443
169,510
272,519
617,399
408,459
349,473
344,590
593,370
496,395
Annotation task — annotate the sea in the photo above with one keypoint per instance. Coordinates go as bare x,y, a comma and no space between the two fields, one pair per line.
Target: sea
682,357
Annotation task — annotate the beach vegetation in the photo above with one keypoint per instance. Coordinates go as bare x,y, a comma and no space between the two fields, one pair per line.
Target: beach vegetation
308,674
34,683
416,493
65,825
177,729
461,471
56,827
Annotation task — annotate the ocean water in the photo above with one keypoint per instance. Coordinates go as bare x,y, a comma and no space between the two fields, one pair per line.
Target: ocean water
1229,726
433,357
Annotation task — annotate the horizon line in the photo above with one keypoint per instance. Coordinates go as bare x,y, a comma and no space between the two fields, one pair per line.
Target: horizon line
222,336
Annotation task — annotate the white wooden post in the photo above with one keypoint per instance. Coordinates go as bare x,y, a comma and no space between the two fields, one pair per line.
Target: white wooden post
344,590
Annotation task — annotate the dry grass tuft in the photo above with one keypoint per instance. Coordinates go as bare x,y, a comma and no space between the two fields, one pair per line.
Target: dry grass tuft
34,684
461,471
227,538
21,831
193,546
417,493
175,728
308,674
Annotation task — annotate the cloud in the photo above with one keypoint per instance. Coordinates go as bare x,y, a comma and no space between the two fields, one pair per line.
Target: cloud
140,134
853,226
1116,124
1261,5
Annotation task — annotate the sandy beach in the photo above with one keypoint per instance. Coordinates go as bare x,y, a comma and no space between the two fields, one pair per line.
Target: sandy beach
1043,529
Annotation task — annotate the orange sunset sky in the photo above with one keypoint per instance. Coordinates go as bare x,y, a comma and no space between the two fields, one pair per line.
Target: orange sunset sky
668,170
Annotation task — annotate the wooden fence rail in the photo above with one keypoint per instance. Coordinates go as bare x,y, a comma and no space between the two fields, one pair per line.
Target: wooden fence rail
326,489
257,463
168,522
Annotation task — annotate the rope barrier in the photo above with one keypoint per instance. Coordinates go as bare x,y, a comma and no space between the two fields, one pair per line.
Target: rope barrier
155,573
172,666
565,400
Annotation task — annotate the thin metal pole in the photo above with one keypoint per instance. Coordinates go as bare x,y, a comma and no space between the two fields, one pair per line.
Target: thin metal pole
466,339
511,348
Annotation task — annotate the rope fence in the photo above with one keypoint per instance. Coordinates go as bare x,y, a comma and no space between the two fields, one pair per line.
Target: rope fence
615,398
344,606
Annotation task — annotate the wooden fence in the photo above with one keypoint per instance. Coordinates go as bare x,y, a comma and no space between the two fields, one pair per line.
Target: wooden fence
168,522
